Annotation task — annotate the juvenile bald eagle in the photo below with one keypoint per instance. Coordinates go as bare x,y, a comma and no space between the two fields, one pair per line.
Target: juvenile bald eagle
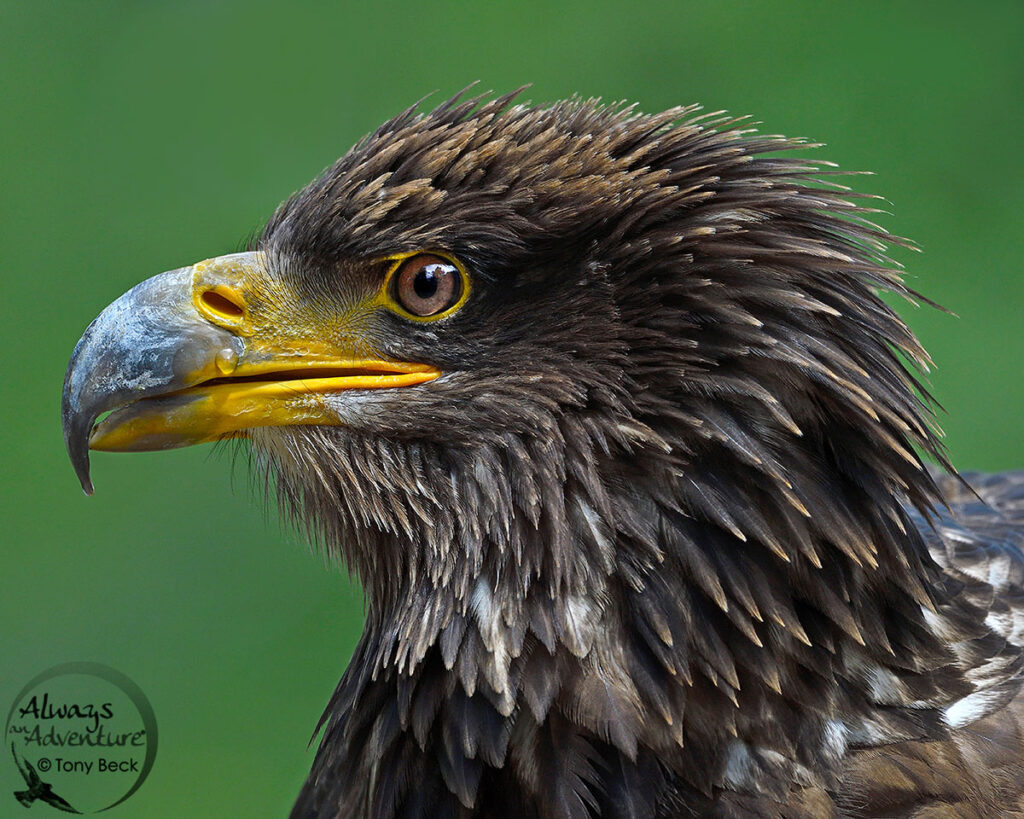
607,414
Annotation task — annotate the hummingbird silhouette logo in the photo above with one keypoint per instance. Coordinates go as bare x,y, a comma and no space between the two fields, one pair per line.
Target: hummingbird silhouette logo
37,789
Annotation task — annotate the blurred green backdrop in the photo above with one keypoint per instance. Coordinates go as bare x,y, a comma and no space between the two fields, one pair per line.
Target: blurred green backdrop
141,136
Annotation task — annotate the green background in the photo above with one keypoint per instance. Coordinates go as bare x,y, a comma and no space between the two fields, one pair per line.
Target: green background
139,137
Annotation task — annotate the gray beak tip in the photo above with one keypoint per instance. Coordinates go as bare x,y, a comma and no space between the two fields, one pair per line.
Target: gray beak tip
85,480
77,423
76,436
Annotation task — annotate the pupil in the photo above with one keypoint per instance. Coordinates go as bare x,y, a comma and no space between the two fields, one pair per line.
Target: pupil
425,283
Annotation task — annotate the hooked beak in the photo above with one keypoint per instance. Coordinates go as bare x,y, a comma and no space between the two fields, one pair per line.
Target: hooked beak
180,360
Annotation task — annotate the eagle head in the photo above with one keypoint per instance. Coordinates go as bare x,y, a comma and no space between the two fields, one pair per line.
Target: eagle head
607,413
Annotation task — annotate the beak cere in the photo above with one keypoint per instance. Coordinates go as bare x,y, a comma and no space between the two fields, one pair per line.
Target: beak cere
180,361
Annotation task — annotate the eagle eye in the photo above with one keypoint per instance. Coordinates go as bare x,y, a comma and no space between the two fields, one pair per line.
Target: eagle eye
426,286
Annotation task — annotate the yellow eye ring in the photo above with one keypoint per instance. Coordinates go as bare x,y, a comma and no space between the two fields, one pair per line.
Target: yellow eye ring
424,286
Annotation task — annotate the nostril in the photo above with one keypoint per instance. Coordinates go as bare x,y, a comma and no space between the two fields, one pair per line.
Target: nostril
222,304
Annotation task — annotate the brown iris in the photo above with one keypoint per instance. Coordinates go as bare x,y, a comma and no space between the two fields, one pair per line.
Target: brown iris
426,285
